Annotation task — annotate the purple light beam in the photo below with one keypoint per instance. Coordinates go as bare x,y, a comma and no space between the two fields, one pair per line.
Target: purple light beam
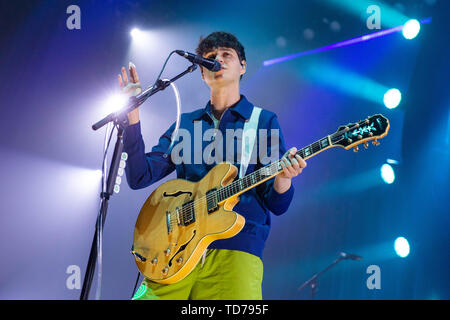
344,43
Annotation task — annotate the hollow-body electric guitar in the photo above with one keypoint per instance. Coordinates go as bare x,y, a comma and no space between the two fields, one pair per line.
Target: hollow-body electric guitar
181,218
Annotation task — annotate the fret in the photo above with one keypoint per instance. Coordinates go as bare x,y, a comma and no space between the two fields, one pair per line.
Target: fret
315,147
306,151
259,175
253,179
324,142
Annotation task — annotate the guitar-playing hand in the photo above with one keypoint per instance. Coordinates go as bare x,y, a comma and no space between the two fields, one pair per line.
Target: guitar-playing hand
293,165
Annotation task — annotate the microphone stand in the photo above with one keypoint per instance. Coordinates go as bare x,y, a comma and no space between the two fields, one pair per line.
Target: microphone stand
120,119
313,280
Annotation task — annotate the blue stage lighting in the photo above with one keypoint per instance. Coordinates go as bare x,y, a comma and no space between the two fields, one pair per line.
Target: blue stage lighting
411,29
392,98
387,173
401,247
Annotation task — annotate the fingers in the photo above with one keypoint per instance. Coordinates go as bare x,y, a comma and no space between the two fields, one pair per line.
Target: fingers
287,168
133,73
301,162
119,77
292,164
124,76
292,151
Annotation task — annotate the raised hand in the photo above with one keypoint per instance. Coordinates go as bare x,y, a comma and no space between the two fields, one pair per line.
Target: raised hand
131,87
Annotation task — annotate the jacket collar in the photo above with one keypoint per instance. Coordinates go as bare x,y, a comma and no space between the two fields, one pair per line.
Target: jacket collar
243,108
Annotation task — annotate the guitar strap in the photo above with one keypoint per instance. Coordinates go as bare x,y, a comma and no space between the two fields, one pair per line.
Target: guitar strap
248,139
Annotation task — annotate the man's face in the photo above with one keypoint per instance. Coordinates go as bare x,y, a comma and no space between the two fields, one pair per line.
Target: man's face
231,67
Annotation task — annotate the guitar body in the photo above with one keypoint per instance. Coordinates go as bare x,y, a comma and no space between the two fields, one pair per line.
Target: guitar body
166,250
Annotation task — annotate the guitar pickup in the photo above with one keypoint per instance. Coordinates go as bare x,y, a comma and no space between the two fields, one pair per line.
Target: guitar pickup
188,213
211,200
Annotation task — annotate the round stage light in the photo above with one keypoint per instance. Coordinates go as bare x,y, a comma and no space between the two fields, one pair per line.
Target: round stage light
387,173
135,33
115,102
392,98
411,28
401,247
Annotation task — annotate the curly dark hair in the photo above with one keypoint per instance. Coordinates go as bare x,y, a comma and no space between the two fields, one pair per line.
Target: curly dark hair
220,39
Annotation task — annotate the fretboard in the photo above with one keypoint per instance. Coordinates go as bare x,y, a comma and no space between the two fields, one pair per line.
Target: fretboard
265,173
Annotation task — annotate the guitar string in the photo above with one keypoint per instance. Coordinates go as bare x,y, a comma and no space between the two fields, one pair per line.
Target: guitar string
194,205
272,168
187,210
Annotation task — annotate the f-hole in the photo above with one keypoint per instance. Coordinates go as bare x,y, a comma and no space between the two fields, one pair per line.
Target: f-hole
182,248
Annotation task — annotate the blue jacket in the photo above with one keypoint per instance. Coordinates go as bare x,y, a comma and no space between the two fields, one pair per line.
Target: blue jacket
144,169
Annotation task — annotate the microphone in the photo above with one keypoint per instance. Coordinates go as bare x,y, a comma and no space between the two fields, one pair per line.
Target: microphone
349,256
210,64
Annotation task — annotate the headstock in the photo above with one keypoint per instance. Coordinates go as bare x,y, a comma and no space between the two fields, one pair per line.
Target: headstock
353,134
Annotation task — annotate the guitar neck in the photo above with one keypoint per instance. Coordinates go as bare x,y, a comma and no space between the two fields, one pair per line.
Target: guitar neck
268,172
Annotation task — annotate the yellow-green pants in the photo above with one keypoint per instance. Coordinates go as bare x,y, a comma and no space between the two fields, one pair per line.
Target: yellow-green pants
224,275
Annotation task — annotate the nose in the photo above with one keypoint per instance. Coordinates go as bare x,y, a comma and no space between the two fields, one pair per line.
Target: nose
219,58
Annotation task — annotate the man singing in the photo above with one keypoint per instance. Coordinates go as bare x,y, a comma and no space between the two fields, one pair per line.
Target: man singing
230,268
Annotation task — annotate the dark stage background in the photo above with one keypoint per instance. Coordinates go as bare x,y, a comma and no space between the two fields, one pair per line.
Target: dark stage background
55,82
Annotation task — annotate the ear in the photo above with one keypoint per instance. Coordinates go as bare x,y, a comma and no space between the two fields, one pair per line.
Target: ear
243,67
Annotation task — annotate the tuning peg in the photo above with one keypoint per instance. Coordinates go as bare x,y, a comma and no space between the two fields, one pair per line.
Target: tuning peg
355,148
375,142
366,145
